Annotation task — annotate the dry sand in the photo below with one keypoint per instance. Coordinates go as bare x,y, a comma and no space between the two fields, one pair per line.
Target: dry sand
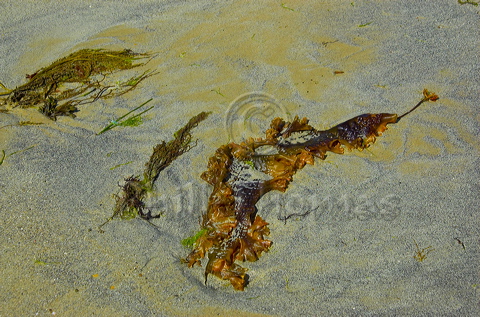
351,255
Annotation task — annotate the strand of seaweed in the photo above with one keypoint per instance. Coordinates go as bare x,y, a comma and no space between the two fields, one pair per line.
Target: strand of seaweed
242,173
76,79
130,203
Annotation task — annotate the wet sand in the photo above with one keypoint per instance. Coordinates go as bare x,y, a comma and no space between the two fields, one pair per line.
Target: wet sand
352,253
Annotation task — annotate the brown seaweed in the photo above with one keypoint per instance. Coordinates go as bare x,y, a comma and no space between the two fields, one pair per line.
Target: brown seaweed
79,78
421,254
242,173
129,203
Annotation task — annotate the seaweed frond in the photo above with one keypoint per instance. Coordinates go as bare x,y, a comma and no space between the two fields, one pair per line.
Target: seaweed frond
76,79
134,120
6,92
21,123
241,174
4,155
165,153
130,202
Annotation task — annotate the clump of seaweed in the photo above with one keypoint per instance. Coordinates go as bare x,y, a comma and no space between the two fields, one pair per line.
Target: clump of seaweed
79,78
242,173
129,204
421,254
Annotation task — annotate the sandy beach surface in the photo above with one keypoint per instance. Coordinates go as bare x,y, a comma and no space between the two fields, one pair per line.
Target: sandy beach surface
356,222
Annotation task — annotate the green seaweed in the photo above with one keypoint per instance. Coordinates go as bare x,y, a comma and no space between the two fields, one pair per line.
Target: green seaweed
468,2
217,91
250,163
129,204
364,25
76,79
190,241
40,262
4,155
116,166
285,7
132,121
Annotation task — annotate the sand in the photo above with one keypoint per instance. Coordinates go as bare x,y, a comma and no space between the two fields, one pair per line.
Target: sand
351,254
